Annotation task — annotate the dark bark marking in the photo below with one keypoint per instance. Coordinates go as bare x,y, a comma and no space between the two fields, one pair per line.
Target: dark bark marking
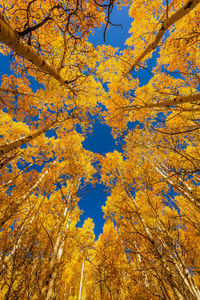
188,5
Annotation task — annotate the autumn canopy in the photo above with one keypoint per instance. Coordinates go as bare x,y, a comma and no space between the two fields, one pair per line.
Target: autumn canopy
59,84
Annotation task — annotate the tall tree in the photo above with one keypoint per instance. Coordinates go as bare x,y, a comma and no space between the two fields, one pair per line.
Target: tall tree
149,248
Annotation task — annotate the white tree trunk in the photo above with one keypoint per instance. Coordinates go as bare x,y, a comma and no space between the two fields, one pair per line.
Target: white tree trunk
9,37
5,148
81,281
195,98
182,12
14,208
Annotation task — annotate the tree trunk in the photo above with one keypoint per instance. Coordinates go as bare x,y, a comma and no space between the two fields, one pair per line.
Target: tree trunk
5,148
169,274
9,37
170,102
14,208
182,12
181,188
48,283
47,289
81,281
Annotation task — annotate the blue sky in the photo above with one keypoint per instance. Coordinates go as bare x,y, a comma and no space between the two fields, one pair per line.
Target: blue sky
116,36
101,140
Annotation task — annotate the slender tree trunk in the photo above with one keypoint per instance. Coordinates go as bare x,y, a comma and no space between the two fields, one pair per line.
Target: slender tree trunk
81,281
14,208
180,188
19,241
21,141
16,92
170,276
34,278
9,37
9,182
179,263
170,102
179,14
48,283
47,289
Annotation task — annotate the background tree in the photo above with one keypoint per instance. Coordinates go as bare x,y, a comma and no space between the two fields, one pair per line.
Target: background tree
149,245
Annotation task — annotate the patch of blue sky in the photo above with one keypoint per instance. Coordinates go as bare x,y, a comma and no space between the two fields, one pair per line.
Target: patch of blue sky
115,35
101,140
91,202
169,199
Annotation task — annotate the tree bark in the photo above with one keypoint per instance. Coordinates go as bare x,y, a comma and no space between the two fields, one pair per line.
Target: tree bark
81,281
11,38
5,148
170,102
182,12
48,283
47,290
169,274
14,208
